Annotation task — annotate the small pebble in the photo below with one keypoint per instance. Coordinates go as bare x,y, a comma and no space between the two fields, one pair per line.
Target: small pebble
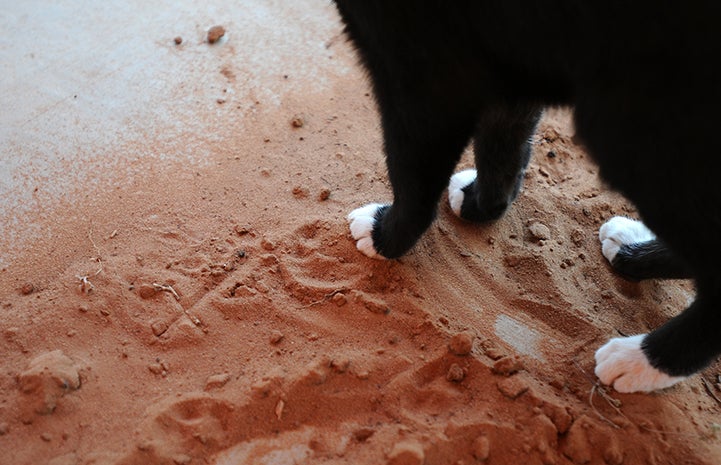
324,195
47,437
339,299
178,40
362,434
155,368
276,336
27,289
215,33
297,122
182,459
407,453
481,448
217,381
4,428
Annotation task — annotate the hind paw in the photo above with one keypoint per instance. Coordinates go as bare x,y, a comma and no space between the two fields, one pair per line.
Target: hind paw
362,222
623,364
620,231
459,181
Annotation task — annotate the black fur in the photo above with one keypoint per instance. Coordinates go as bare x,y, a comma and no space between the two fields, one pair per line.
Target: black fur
644,78
651,259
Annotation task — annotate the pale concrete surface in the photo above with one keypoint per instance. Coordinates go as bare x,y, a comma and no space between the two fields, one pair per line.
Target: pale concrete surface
89,89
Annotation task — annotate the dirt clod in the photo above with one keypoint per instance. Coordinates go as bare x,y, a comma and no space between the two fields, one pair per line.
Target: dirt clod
506,366
577,447
461,343
539,231
455,374
159,327
47,379
147,291
513,387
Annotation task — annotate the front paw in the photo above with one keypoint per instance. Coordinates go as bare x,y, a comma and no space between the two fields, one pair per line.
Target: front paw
620,231
363,221
623,364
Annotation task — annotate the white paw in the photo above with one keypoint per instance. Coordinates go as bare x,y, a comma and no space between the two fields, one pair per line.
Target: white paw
620,231
622,363
361,222
455,189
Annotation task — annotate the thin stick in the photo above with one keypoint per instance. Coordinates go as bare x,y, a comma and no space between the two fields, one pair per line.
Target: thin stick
707,385
166,288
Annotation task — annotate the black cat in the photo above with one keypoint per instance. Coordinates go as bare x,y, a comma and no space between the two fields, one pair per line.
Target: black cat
644,78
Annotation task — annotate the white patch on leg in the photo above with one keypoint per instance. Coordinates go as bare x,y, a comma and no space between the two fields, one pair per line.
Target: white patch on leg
622,363
620,231
455,189
362,220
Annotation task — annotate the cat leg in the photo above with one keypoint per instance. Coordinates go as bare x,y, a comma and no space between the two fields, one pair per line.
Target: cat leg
680,205
683,346
635,252
424,138
502,147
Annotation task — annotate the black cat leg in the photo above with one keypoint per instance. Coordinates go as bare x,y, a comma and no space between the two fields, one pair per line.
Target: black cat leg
665,179
683,346
423,142
502,147
635,252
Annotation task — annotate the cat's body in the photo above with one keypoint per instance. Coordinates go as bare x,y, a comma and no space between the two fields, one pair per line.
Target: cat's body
645,81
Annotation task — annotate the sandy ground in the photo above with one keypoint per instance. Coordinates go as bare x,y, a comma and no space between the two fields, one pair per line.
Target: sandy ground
178,285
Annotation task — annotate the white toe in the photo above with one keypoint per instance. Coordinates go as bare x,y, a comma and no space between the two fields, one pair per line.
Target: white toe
455,189
623,364
619,231
362,220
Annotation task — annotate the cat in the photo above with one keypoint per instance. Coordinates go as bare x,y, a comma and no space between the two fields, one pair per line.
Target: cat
644,81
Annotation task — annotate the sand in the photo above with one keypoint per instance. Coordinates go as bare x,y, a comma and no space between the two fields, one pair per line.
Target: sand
179,310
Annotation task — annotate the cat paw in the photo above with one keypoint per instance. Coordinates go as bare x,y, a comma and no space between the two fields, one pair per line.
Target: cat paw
622,363
620,231
458,182
362,222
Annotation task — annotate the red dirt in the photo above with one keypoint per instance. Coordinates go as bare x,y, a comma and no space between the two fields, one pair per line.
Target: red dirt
230,320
